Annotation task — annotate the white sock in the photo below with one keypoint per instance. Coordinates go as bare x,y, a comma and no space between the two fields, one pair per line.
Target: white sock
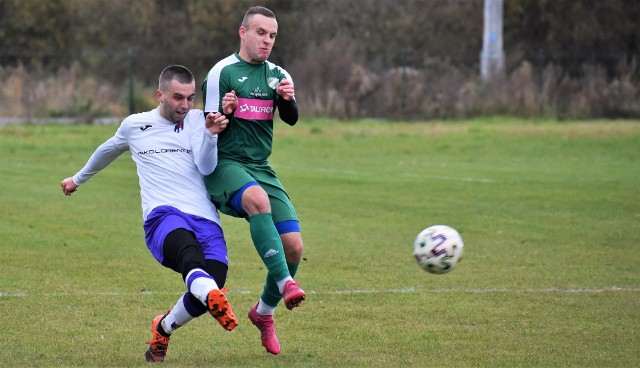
282,282
179,316
200,284
265,309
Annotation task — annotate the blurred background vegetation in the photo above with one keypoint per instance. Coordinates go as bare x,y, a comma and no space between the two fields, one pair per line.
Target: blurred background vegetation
387,59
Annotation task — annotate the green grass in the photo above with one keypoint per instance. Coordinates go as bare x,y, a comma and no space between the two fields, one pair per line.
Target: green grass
549,212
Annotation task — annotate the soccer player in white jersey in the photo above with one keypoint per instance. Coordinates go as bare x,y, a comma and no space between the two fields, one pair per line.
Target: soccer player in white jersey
173,147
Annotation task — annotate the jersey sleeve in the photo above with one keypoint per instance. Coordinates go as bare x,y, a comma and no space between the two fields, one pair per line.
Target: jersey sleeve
105,154
217,83
101,158
285,74
204,146
287,110
213,90
205,150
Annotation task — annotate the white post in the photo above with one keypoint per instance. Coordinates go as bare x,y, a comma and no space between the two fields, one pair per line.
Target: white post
492,55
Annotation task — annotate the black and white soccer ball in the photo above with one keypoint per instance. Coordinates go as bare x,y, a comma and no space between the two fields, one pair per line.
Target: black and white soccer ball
438,249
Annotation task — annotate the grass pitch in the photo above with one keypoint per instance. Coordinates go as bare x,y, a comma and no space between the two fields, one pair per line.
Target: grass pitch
549,212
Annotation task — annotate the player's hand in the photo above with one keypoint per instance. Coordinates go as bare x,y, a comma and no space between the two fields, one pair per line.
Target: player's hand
216,122
285,90
68,186
229,102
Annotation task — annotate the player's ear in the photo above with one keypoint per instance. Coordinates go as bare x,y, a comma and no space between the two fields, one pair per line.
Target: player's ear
159,95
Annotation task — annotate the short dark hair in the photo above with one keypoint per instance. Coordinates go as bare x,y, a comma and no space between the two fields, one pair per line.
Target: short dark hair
177,72
256,10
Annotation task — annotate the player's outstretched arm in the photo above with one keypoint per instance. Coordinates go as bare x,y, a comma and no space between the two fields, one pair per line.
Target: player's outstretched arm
101,158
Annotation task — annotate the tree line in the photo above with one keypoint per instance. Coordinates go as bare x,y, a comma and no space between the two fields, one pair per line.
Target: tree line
409,59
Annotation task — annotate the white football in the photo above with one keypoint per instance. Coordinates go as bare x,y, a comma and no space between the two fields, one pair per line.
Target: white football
438,249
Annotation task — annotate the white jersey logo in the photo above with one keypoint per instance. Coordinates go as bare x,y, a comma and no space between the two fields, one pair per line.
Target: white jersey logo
273,82
242,79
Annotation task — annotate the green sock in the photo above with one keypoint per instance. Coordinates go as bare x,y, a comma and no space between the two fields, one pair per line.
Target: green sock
268,244
270,293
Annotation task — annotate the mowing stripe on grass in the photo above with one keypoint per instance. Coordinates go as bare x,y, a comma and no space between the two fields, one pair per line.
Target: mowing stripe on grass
21,294
372,174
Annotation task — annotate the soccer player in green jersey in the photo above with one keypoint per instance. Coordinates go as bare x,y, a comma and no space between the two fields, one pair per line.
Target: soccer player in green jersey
248,89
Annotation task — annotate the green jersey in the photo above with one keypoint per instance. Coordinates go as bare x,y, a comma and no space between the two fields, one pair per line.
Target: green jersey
249,136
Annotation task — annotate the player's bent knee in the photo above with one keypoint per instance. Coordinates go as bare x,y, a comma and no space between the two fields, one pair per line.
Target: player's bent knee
250,200
255,200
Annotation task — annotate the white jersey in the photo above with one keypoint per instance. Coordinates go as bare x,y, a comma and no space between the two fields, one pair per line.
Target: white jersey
171,161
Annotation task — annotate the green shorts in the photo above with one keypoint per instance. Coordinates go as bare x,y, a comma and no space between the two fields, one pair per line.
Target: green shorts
229,176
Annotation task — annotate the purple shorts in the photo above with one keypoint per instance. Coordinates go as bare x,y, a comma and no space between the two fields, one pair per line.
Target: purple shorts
164,219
